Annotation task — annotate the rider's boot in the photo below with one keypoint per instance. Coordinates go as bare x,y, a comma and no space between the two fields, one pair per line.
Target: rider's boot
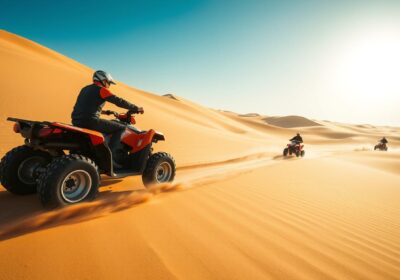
115,146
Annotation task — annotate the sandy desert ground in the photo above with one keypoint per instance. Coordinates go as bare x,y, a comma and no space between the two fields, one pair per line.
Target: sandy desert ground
237,210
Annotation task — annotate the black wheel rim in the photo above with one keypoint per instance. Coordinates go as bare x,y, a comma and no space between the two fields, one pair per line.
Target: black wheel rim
76,186
163,172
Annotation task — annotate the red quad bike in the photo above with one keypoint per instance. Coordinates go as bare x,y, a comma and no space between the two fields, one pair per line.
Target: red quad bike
294,148
381,147
63,163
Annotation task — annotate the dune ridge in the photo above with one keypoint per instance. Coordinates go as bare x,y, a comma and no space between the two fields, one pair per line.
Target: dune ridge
290,121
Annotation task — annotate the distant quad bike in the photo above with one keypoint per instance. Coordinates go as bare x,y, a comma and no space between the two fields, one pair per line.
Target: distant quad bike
294,148
381,147
63,163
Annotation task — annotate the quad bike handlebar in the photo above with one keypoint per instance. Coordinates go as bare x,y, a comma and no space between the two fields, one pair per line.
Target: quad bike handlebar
139,110
124,117
109,112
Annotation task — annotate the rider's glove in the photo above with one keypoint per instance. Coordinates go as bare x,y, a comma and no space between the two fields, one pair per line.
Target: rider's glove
137,110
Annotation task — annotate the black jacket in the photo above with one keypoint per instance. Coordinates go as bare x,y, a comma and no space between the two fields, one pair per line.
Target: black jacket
91,100
297,139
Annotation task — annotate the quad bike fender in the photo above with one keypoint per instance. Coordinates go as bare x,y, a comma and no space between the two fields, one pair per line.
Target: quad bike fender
101,150
29,129
158,136
96,138
138,141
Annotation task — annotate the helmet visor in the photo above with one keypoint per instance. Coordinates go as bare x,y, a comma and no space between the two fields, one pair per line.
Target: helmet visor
110,80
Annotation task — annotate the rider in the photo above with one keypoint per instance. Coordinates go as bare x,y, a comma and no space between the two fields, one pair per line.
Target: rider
297,139
90,102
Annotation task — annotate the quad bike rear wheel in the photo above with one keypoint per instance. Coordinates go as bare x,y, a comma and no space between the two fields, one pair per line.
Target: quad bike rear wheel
18,169
297,153
68,180
160,168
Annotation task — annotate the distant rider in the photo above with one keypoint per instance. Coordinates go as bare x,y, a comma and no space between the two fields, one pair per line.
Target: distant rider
90,102
297,139
384,141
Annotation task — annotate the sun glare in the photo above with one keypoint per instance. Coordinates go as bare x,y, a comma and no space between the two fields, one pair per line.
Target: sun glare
370,66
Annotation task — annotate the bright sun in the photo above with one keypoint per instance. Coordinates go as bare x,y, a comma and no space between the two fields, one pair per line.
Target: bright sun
370,65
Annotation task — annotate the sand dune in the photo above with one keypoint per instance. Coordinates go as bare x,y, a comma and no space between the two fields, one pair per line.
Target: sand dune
320,227
290,121
237,210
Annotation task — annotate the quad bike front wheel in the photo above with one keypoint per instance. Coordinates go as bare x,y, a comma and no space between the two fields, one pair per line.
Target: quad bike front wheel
302,153
19,169
68,180
160,168
285,152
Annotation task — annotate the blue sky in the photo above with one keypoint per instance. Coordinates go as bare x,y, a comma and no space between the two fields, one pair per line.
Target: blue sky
270,57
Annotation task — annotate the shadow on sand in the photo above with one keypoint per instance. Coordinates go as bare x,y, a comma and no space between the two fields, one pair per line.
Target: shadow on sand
281,157
20,215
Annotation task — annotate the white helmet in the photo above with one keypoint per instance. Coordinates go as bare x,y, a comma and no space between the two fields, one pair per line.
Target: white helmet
100,76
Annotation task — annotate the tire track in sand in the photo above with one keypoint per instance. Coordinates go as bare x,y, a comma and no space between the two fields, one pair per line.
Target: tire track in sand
189,176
